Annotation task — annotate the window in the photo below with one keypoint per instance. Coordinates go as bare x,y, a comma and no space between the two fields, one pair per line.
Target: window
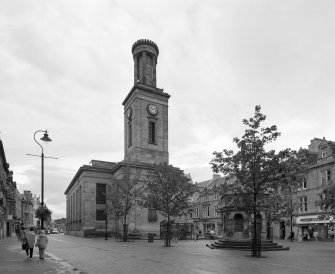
216,211
130,134
302,204
205,211
152,215
323,175
303,184
328,175
216,196
101,194
197,212
101,215
191,214
320,197
323,152
152,132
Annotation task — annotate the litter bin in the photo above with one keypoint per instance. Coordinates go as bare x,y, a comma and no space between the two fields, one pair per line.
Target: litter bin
151,238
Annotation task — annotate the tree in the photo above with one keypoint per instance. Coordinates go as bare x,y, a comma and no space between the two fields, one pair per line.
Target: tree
43,213
123,195
256,170
328,201
168,190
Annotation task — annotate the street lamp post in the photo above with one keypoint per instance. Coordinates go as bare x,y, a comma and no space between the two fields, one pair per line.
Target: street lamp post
45,138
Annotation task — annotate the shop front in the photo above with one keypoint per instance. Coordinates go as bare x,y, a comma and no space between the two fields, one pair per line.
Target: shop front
310,223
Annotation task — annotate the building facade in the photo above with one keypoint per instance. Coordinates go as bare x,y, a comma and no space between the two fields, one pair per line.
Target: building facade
27,209
145,144
214,210
321,170
7,197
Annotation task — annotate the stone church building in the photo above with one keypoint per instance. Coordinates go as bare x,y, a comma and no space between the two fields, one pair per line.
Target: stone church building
145,144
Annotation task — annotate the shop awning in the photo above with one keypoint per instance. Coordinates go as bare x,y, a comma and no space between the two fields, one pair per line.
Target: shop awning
313,219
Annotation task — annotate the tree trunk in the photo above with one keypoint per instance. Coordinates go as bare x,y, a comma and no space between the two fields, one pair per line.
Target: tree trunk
125,229
167,238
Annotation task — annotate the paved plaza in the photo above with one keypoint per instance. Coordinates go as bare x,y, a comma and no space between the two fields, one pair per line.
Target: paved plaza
67,254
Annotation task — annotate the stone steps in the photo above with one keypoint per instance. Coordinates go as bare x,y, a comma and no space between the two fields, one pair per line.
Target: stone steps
266,245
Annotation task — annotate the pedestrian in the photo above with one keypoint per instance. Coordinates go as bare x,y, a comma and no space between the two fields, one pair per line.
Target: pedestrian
196,234
315,235
306,235
299,237
291,236
41,243
212,235
22,234
30,237
17,233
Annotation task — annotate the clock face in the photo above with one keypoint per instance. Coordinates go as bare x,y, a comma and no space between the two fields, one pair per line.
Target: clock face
152,109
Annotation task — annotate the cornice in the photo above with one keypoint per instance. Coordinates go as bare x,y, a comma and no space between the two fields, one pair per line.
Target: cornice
153,90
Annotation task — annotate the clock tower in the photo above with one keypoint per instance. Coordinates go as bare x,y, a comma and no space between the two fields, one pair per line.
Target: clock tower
146,110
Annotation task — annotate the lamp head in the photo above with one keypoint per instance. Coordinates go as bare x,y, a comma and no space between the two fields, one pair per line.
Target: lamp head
46,138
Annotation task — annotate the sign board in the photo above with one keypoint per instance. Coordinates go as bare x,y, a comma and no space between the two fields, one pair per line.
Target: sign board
314,219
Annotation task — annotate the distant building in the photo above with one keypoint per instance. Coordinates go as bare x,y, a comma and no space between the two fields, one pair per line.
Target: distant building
145,144
214,210
27,209
321,171
7,198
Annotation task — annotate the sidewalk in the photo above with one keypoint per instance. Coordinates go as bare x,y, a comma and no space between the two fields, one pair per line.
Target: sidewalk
13,260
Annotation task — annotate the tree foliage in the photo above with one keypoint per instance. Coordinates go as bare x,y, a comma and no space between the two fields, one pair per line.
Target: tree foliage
124,193
328,201
255,169
259,172
168,190
43,212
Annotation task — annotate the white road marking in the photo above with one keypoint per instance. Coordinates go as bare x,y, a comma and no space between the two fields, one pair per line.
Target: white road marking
57,240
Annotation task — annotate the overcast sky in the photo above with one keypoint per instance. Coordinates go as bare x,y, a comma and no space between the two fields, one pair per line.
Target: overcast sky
66,66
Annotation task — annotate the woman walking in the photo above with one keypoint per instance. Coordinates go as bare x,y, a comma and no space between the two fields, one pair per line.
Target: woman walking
41,243
30,237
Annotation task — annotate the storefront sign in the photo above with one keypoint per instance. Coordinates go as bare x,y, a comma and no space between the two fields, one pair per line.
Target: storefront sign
314,219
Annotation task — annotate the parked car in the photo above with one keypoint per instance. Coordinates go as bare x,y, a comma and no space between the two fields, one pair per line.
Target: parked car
54,231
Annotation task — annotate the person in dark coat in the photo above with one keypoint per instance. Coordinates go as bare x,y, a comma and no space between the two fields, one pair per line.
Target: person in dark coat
30,237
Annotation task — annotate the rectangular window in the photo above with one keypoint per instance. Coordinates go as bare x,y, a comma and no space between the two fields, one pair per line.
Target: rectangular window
328,175
303,204
323,175
216,196
197,212
216,211
205,211
152,132
101,194
320,197
130,134
101,215
324,152
304,183
152,215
